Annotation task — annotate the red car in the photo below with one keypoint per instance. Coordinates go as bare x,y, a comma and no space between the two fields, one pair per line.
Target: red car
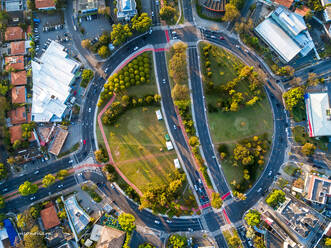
84,142
222,38
75,92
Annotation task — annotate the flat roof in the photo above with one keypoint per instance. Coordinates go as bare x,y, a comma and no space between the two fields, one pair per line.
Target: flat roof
319,189
52,75
59,139
317,105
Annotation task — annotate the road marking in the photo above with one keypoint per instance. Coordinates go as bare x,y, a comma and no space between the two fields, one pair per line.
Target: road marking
226,217
167,35
226,195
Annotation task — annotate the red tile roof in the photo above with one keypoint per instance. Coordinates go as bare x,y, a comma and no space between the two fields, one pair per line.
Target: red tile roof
42,4
15,133
29,30
18,94
18,78
15,62
18,116
14,33
49,217
303,10
286,3
17,47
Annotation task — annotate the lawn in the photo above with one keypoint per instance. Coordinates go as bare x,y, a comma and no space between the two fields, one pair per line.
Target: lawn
231,127
301,137
290,169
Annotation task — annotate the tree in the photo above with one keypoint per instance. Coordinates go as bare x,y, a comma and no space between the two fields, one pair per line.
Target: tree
234,241
328,242
2,202
308,149
104,39
3,89
167,13
177,63
286,71
242,154
120,33
231,13
86,43
141,23
27,188
62,174
250,233
127,222
104,10
312,79
16,144
177,241
87,74
238,3
3,171
193,141
146,245
216,200
101,156
25,221
253,217
275,198
259,242
104,52
30,4
293,96
48,180
34,238
180,92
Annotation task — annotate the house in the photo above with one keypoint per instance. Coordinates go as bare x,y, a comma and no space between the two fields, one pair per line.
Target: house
126,9
318,111
14,62
107,237
327,11
15,133
285,3
18,94
58,141
318,189
13,5
49,217
286,34
90,6
14,33
18,78
52,76
8,234
18,116
17,48
45,4
302,10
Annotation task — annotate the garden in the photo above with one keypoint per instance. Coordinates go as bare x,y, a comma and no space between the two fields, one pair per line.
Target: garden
239,115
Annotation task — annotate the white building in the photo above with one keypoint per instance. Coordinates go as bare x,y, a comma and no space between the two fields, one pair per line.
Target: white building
52,76
318,114
126,9
286,33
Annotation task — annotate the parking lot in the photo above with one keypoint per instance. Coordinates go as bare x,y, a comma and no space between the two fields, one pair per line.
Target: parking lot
94,25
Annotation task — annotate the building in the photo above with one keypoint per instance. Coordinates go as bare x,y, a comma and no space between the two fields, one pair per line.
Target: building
58,141
90,6
285,33
18,78
49,217
18,94
52,76
285,3
13,5
17,48
327,10
318,112
15,133
45,4
14,62
18,116
126,9
107,237
14,34
302,10
318,189
8,235
212,8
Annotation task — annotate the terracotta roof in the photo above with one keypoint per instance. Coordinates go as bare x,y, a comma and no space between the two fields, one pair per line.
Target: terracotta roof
29,30
41,4
17,47
18,116
15,62
14,33
18,78
110,238
49,217
18,94
15,133
58,141
286,3
303,10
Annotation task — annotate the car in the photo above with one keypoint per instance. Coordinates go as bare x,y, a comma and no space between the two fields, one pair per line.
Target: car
173,32
222,38
237,46
84,142
190,229
200,181
5,190
259,190
70,161
156,222
150,31
157,2
36,172
164,80
169,221
250,243
136,48
32,198
112,186
269,174
152,13
89,110
213,36
175,127
60,186
195,187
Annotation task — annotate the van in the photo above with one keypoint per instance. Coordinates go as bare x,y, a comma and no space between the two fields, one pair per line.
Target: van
259,190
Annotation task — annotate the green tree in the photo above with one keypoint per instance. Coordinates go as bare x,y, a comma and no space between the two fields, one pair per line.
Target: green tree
48,180
177,241
27,188
104,52
180,92
238,3
231,13
259,242
308,149
127,222
104,39
275,198
328,242
34,238
87,74
86,43
141,23
3,89
312,79
30,4
293,96
253,217
3,171
101,156
17,144
194,141
286,71
167,13
146,245
62,174
216,200
120,33
2,202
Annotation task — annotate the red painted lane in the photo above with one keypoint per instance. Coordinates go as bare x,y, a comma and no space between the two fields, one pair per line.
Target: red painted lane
160,49
226,217
226,195
167,35
205,206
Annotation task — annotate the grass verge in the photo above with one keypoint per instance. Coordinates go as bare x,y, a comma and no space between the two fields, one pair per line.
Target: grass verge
301,137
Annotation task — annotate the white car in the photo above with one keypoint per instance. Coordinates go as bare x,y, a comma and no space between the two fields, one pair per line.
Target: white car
269,174
156,222
89,110
164,80
71,161
169,221
136,48
32,198
175,127
60,186
152,13
150,31
36,172
259,190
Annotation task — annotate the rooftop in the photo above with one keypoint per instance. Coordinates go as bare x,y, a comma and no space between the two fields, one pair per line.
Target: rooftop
52,75
18,78
318,189
15,62
327,10
18,116
285,3
15,133
17,47
59,139
86,5
14,33
302,10
318,114
49,217
78,217
44,4
18,94
107,237
126,9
